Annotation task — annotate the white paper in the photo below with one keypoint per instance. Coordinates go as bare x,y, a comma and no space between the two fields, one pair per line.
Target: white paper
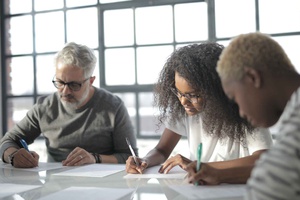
210,192
42,166
152,172
88,193
93,170
8,189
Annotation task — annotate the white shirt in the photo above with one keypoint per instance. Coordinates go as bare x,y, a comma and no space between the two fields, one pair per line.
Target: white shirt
216,149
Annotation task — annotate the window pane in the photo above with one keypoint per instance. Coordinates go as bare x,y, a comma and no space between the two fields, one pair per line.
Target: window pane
282,17
21,76
290,44
49,31
18,6
118,27
234,17
82,27
20,43
45,63
148,115
40,5
97,71
111,1
130,104
196,14
18,107
120,71
74,3
154,28
150,61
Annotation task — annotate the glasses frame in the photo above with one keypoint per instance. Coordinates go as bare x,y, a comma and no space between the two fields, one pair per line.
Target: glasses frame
187,96
69,84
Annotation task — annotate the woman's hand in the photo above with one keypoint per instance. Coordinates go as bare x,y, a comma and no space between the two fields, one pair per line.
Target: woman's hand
207,175
174,161
133,168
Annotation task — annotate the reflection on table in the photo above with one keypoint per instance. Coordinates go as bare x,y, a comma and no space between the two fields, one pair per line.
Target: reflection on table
63,182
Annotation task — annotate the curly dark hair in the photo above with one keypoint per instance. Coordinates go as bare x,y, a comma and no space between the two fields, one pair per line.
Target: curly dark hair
197,63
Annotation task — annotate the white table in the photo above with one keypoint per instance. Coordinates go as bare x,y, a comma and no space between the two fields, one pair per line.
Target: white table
143,189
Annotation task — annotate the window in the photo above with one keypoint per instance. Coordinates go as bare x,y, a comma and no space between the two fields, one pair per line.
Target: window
140,34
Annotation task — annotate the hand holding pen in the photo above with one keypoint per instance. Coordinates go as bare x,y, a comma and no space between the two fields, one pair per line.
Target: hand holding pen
138,166
193,169
199,155
132,152
24,158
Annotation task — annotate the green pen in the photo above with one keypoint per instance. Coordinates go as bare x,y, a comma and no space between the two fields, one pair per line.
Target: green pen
199,155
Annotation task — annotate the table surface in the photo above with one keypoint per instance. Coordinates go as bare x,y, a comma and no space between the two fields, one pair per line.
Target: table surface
144,189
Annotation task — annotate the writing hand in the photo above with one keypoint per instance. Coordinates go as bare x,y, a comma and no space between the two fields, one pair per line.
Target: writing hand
132,168
207,175
25,159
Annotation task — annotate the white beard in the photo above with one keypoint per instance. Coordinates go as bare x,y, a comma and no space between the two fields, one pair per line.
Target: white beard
75,105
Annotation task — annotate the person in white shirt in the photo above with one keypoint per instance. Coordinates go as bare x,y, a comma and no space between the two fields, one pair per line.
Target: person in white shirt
192,103
257,74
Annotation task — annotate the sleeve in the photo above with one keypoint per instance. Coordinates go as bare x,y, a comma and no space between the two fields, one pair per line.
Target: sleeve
123,128
179,127
276,173
260,139
27,129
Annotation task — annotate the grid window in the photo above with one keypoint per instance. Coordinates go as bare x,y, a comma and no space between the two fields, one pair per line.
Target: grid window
132,41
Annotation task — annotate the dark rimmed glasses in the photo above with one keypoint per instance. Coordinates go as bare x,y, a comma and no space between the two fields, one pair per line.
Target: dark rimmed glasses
73,85
193,98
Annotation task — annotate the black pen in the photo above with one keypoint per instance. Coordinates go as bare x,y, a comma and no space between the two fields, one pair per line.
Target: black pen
132,152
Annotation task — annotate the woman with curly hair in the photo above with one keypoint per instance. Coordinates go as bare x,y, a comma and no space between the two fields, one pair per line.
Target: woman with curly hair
192,103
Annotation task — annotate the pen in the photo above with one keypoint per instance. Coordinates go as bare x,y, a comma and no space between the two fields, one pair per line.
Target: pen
24,144
199,154
132,152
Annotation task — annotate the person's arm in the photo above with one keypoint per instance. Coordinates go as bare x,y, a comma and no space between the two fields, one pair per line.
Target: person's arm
27,129
231,171
157,155
163,149
123,129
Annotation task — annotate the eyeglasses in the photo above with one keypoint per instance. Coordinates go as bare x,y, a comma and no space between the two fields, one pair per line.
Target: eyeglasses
193,98
74,86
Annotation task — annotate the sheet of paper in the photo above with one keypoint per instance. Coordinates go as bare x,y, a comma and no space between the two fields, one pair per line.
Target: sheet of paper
8,189
42,167
88,193
152,172
210,192
93,170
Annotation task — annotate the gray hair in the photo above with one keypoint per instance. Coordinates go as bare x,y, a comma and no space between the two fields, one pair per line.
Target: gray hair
77,55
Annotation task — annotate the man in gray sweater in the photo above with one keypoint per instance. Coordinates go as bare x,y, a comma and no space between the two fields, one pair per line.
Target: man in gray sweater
81,124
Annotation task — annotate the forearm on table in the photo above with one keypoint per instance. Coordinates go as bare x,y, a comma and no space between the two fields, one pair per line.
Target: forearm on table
8,152
238,175
240,162
108,158
155,157
237,170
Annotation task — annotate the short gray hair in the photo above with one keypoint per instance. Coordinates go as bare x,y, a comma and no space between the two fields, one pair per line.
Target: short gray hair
77,55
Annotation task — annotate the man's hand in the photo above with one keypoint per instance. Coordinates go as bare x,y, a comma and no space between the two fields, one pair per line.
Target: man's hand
24,159
79,157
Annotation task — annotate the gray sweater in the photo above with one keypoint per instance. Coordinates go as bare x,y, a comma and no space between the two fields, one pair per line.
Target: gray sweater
100,126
